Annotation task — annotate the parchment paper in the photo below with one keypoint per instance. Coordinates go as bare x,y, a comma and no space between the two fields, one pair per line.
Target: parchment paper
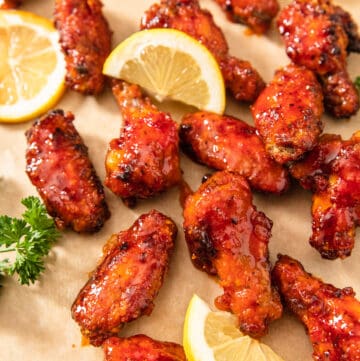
35,321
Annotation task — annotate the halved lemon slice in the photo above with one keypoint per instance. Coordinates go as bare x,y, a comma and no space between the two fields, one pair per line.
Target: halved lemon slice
168,63
214,336
32,66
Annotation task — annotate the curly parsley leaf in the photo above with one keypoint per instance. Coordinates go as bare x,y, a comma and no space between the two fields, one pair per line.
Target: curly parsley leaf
28,240
357,83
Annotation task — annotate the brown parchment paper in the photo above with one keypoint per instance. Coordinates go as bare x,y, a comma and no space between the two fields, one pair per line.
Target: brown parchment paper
35,321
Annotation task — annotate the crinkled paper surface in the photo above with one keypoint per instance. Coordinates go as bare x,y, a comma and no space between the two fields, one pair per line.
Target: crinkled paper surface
35,321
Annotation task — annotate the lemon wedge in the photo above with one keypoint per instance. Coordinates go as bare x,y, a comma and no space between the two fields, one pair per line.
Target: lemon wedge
169,64
32,66
213,336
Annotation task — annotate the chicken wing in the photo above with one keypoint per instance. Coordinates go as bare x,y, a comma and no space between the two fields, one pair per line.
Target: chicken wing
141,348
228,237
318,35
128,278
288,112
85,39
58,165
10,4
186,15
257,14
223,142
144,160
330,315
332,171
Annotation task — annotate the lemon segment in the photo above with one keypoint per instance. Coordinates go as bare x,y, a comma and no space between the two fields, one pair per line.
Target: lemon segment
169,64
214,336
32,66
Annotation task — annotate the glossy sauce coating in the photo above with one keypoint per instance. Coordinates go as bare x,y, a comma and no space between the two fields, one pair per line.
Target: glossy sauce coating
144,160
257,14
58,165
10,4
330,315
223,142
141,348
288,113
240,77
319,35
228,237
332,171
85,38
127,279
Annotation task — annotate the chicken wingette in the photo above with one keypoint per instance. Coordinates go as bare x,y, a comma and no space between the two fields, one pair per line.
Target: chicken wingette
58,165
319,35
141,348
287,113
127,279
85,38
144,160
243,81
228,237
331,315
224,142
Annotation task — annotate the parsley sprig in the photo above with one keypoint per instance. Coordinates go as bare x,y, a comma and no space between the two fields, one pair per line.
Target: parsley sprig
357,83
29,239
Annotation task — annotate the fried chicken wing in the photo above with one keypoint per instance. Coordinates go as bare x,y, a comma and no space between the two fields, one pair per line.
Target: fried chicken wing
330,315
58,165
332,171
141,348
257,14
228,237
144,160
223,142
319,35
127,279
10,4
85,38
186,15
288,113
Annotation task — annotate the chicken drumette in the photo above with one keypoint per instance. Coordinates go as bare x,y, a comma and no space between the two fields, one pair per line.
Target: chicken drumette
288,112
144,160
229,238
223,142
141,348
127,279
332,171
319,35
331,315
257,14
85,39
186,15
58,165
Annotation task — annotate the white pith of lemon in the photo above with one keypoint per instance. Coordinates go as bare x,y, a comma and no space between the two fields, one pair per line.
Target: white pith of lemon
169,64
214,336
32,66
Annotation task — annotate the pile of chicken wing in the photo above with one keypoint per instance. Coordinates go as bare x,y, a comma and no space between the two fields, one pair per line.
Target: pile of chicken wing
227,236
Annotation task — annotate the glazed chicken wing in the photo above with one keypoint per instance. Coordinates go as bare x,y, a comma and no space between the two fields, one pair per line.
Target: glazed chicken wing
141,348
58,165
128,278
287,113
223,142
330,315
257,14
332,171
319,35
229,238
186,15
85,39
10,4
144,160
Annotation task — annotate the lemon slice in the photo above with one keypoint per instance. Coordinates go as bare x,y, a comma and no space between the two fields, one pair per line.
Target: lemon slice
32,66
213,336
169,64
